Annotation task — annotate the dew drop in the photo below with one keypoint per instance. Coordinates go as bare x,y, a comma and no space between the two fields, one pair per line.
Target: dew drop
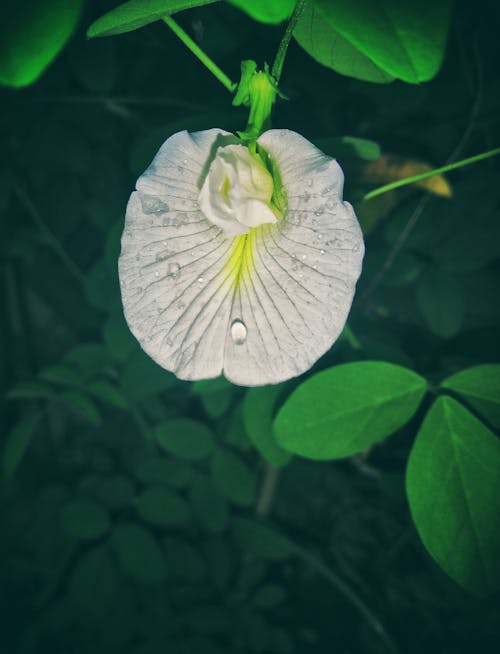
200,280
319,237
151,204
322,251
318,212
173,269
238,332
157,273
161,256
304,256
185,162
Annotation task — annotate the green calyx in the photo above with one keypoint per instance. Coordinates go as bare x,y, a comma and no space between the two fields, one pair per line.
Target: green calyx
256,90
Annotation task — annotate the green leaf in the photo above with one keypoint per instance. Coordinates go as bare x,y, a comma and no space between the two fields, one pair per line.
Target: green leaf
161,507
453,486
108,393
480,387
114,492
117,337
136,13
59,374
208,505
343,410
30,391
139,553
142,377
269,596
215,394
82,405
258,409
233,478
261,539
164,471
266,11
349,147
17,443
185,561
441,301
32,33
93,585
85,520
405,40
323,42
185,438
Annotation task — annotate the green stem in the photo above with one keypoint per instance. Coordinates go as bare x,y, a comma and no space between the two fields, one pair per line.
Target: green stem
198,52
431,173
283,46
349,594
47,233
351,338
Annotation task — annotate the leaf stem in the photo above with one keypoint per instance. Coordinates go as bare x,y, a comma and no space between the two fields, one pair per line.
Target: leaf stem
198,52
349,594
283,46
432,173
47,233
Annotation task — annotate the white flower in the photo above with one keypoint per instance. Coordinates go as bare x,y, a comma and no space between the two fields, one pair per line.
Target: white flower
236,263
236,194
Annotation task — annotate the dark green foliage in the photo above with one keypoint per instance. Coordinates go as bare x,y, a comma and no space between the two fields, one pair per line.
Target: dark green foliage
142,514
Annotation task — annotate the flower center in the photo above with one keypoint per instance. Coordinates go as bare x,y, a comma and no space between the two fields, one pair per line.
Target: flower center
237,191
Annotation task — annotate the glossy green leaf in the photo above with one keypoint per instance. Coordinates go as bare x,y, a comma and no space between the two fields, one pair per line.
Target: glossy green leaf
266,11
326,45
209,506
162,507
84,519
232,477
17,443
453,486
405,40
134,14
185,438
261,539
343,410
441,301
32,33
480,387
139,553
258,414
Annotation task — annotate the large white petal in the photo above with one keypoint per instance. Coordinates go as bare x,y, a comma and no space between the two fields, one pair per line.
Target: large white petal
261,307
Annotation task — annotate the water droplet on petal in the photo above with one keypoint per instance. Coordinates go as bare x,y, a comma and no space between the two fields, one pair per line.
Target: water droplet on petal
322,251
200,280
157,273
238,332
152,204
304,256
185,162
318,212
173,269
